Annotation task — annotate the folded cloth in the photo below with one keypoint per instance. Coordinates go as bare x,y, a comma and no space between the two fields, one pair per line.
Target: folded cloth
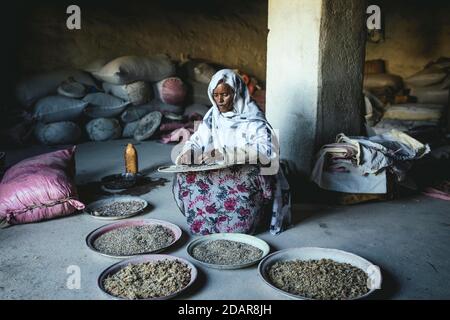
363,168
174,125
382,151
349,178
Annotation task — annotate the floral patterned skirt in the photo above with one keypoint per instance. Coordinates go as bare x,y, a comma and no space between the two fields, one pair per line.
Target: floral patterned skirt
226,200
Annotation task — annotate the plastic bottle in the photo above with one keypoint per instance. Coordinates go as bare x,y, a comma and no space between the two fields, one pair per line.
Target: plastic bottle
131,159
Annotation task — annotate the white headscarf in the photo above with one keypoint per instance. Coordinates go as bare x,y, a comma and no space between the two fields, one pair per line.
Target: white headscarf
244,108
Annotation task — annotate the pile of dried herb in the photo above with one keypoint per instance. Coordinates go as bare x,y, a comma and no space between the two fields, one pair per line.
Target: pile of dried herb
118,208
322,279
226,252
133,240
149,280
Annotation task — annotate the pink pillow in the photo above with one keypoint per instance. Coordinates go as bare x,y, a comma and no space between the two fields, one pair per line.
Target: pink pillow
39,188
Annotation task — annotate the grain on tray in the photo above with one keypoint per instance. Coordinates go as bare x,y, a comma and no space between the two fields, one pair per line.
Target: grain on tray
133,240
148,280
323,279
118,208
226,252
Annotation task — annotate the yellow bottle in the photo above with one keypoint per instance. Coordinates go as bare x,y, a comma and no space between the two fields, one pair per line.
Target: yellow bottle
131,159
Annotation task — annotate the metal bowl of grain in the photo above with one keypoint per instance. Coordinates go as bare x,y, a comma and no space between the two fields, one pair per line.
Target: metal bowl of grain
130,238
116,207
154,277
312,273
228,250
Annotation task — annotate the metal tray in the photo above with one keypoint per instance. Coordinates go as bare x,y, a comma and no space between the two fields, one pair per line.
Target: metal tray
91,237
102,202
313,253
141,259
237,237
192,168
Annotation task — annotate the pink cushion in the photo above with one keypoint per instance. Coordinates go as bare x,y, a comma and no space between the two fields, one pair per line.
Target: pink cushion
40,188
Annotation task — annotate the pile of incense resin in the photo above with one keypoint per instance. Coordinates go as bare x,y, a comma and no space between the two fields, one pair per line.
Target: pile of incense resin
226,252
118,209
131,240
322,279
148,280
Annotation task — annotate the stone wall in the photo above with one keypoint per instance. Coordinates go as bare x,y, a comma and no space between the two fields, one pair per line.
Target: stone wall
229,32
416,32
233,33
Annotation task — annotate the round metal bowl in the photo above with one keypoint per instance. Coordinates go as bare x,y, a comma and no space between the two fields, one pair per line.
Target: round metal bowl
106,201
120,182
142,259
313,253
91,237
237,237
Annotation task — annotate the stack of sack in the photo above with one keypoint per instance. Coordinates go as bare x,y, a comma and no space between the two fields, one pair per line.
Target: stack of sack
105,101
431,85
384,85
359,165
420,107
198,74
129,97
409,117
56,114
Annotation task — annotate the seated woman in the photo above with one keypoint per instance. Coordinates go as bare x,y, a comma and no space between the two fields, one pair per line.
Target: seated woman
236,133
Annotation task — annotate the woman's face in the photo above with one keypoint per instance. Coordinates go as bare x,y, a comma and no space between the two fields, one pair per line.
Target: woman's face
223,96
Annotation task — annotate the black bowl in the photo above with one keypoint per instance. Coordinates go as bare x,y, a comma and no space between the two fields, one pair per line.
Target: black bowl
120,181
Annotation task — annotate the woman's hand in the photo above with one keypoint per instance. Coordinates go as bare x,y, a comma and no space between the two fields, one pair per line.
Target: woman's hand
207,157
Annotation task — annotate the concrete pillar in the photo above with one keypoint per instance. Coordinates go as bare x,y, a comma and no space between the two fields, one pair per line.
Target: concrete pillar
315,61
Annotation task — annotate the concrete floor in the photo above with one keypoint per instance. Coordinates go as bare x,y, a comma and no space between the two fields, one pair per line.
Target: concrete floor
408,239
